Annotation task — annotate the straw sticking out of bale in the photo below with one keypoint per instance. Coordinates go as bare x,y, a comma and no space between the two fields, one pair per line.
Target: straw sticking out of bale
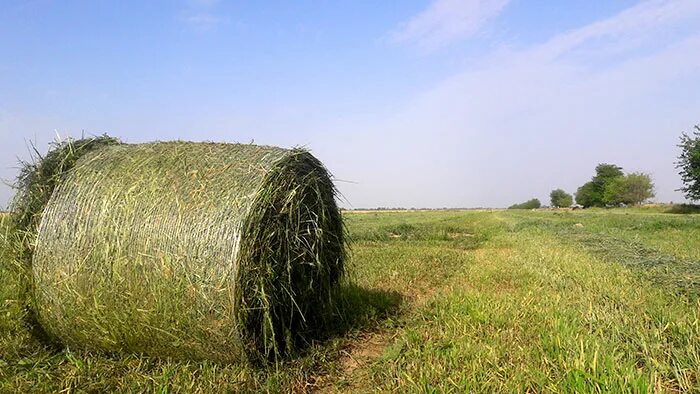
192,250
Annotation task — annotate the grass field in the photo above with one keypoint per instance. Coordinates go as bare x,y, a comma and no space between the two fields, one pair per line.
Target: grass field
451,301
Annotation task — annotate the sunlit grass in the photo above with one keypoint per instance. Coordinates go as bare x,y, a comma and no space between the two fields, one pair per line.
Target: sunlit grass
541,316
484,301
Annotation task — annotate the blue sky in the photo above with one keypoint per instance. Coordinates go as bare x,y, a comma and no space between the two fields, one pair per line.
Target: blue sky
456,103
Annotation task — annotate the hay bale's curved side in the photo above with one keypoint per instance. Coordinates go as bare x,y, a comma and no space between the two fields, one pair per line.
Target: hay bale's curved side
194,250
38,179
34,187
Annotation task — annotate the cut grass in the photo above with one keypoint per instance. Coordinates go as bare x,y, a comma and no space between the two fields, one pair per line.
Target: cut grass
662,248
540,316
517,306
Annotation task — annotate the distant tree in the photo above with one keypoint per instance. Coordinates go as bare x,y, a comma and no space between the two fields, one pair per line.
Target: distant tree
631,189
689,164
639,188
604,173
591,194
559,198
612,195
529,204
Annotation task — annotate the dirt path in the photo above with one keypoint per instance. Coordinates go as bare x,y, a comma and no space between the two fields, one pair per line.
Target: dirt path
353,366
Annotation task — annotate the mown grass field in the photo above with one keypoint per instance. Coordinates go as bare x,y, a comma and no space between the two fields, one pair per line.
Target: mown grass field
451,301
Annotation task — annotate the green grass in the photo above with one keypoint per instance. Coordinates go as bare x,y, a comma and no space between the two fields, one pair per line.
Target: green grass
473,301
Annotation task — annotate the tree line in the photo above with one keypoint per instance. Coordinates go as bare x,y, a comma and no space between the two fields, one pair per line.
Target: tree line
610,186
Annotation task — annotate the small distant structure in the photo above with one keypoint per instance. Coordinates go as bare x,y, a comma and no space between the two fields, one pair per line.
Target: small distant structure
618,205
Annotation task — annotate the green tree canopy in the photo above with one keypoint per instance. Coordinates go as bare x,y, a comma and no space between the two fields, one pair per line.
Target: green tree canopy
591,194
559,198
529,204
689,164
604,173
631,189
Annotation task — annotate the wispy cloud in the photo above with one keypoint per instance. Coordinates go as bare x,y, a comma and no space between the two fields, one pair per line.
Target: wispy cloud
202,21
447,21
201,15
635,26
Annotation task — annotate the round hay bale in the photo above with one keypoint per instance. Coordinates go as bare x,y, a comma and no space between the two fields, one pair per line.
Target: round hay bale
193,250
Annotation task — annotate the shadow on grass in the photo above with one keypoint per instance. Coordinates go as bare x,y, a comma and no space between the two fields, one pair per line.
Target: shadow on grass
684,209
356,308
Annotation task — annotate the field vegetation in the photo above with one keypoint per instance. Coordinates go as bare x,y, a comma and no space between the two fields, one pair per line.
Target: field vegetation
450,301
529,204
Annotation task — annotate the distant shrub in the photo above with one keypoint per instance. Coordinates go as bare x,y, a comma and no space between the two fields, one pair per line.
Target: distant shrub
530,204
684,209
689,164
631,189
591,193
610,187
559,198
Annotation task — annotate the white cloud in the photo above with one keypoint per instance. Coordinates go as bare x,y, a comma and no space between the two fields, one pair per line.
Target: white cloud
447,21
635,26
203,21
200,15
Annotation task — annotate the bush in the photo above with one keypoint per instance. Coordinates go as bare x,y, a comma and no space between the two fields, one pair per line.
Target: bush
559,198
530,204
684,209
591,194
631,189
689,164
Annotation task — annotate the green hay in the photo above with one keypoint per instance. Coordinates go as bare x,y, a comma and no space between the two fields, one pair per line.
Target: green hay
191,250
38,179
34,186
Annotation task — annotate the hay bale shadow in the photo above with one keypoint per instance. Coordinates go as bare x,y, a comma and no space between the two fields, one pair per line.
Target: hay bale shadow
358,308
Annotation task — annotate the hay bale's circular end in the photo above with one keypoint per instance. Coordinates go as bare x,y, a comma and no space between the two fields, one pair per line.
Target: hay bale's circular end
292,255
